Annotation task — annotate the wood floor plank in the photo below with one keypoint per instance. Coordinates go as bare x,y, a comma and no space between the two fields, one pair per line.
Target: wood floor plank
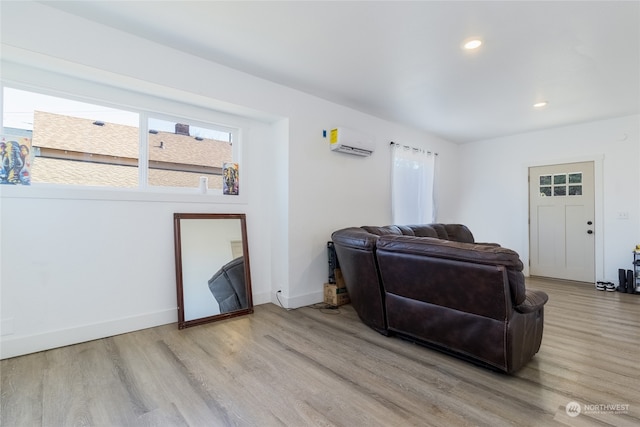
21,389
319,367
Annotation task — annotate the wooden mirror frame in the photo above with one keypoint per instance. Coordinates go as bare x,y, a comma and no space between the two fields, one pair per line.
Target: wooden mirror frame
181,286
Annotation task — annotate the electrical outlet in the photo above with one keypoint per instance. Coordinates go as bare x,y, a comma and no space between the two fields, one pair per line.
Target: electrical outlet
623,215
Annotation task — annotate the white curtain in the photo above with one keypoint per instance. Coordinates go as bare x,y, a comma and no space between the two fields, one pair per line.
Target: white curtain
413,174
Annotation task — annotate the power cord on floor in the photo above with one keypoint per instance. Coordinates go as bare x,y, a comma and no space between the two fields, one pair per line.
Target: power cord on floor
325,308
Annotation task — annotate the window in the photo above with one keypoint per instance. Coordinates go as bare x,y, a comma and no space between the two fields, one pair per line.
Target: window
63,141
413,175
180,154
70,142
563,184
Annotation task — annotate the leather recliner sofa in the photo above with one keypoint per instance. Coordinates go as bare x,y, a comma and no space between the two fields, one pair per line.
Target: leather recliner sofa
435,285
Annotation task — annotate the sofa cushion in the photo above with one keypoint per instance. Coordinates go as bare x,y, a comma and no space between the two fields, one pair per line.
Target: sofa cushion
406,230
383,231
424,230
441,230
459,233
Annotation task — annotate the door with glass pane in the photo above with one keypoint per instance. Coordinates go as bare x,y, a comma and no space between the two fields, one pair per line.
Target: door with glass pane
561,221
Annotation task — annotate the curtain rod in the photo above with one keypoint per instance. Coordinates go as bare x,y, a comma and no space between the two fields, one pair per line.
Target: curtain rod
407,147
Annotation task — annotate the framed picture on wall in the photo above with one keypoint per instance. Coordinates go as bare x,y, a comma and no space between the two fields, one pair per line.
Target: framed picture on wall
15,160
230,179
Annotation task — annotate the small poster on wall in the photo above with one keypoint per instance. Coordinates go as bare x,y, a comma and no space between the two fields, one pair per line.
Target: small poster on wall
15,165
230,179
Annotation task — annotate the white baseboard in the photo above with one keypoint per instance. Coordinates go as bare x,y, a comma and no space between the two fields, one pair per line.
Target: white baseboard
16,345
261,298
298,301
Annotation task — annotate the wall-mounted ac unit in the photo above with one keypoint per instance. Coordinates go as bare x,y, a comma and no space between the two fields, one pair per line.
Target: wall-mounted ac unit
350,141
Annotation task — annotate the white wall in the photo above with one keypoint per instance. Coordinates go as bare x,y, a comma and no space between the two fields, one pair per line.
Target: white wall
330,190
80,265
494,193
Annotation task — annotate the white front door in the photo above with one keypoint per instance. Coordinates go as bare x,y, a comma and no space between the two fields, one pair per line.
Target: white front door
561,221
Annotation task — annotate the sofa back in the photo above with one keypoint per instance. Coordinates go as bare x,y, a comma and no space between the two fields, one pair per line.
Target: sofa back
356,251
460,297
455,232
478,279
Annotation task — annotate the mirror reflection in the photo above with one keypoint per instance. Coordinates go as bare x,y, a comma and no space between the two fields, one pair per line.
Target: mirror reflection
212,267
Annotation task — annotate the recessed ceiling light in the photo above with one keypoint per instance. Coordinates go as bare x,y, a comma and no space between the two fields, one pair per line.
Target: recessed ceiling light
472,44
540,104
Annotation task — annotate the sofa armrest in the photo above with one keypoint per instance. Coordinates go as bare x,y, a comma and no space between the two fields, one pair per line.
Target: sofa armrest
534,301
495,245
355,237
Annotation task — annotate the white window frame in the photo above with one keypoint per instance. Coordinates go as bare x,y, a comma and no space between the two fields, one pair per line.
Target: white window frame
145,105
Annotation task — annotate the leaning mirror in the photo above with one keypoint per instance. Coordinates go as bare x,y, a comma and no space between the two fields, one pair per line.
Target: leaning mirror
213,279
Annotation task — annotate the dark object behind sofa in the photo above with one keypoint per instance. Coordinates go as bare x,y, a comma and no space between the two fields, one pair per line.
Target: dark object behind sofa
434,284
228,286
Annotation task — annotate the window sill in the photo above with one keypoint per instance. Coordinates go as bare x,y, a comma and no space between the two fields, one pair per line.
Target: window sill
53,191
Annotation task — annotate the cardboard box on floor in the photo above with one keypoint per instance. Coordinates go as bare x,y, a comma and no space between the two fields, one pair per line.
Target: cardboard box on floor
339,279
335,296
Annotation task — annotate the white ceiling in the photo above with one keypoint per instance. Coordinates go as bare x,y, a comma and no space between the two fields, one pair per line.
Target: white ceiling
403,61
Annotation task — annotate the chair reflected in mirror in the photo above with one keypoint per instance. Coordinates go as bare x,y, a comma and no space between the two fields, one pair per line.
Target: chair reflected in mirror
228,286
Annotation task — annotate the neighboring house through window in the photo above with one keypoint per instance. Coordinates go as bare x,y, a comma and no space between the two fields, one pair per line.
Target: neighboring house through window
77,143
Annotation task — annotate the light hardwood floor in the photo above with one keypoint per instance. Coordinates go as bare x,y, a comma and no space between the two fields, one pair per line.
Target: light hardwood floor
311,367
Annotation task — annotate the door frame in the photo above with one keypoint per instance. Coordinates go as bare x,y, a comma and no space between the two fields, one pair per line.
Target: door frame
598,184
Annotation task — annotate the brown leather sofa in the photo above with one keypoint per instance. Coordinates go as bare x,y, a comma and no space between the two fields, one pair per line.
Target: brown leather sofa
435,285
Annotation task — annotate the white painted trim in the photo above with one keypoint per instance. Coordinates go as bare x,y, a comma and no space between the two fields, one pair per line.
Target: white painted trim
261,298
298,301
164,194
20,345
